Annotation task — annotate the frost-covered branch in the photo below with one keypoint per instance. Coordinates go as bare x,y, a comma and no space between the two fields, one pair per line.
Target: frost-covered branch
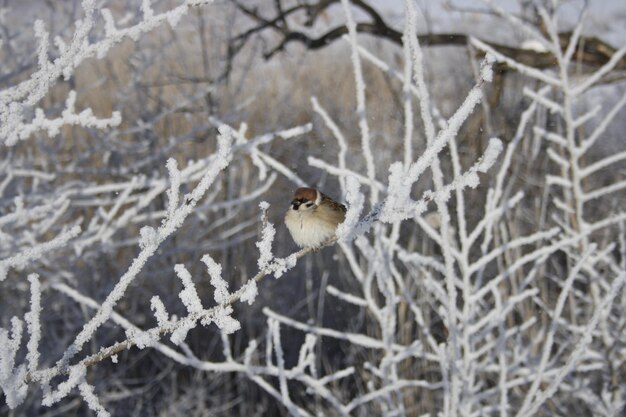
15,100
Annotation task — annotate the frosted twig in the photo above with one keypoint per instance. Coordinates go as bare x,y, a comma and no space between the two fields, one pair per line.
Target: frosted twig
342,174
356,339
549,338
274,329
360,99
12,379
355,201
87,392
15,99
408,46
576,355
603,163
151,239
163,328
341,140
603,191
523,69
349,298
596,76
69,117
603,125
540,97
35,252
188,295
265,244
33,323
518,23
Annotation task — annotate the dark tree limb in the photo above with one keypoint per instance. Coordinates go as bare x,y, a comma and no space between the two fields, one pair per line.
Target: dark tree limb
590,51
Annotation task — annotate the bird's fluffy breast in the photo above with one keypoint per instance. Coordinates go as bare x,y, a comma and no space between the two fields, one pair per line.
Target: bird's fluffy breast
308,229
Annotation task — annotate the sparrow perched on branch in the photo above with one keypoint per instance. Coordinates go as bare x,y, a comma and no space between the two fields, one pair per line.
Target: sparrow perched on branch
313,217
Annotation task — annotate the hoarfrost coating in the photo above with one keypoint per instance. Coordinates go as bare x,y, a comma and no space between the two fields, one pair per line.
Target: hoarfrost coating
484,239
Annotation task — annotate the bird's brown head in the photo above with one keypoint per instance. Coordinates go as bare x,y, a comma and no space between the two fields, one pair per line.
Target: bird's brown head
304,196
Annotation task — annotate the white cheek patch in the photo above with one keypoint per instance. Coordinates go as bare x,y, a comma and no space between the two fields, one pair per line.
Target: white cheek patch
318,198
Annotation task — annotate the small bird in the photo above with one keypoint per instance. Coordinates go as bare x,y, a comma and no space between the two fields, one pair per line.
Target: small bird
313,217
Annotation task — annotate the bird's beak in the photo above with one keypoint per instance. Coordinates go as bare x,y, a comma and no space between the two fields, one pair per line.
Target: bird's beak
295,204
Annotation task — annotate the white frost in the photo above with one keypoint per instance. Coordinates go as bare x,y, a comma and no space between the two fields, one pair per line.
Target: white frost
267,238
249,291
221,293
159,310
189,295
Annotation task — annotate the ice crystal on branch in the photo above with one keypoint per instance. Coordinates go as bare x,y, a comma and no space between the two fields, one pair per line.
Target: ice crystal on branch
249,292
188,295
267,238
355,201
220,286
157,306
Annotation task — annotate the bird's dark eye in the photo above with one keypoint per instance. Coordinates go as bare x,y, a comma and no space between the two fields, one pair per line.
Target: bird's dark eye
309,204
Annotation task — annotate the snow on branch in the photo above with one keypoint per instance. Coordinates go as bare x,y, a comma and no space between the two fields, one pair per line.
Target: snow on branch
87,392
35,252
69,117
355,201
220,315
547,347
188,295
360,99
397,206
151,239
521,68
267,238
16,100
261,159
12,377
601,72
579,352
33,323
